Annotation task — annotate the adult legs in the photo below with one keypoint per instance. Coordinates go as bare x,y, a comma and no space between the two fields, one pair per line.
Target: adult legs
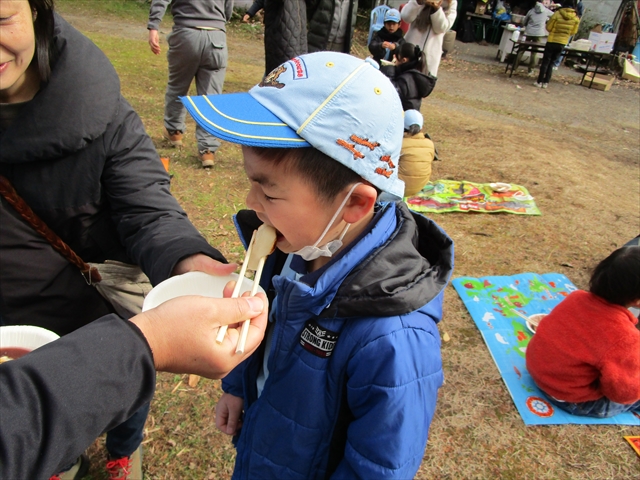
534,56
551,52
210,77
124,439
184,59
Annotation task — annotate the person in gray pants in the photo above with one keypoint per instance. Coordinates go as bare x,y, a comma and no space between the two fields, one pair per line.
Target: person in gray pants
197,49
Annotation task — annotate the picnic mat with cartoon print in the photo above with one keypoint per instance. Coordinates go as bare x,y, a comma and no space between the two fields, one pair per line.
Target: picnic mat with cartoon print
459,196
492,303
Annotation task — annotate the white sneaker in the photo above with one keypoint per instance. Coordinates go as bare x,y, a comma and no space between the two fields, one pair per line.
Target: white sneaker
538,85
545,85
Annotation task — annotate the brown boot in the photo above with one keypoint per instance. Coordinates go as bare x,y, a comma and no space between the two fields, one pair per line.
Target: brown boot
207,158
173,136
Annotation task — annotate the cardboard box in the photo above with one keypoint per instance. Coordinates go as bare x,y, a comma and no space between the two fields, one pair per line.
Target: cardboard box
630,72
481,7
602,42
601,82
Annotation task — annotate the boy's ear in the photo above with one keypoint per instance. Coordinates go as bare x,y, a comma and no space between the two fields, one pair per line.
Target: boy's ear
360,203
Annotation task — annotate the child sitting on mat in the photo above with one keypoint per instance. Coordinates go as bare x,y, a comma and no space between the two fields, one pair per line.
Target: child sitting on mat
346,381
585,355
416,155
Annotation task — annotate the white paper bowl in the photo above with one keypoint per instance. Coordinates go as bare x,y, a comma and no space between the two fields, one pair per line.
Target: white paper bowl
25,336
193,283
534,321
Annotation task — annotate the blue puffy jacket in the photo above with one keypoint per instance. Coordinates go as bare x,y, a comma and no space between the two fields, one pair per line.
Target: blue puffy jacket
355,361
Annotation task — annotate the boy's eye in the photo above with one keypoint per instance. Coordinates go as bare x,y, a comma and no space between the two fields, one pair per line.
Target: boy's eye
268,198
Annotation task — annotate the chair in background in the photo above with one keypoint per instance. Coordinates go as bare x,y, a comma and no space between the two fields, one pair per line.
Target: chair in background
377,20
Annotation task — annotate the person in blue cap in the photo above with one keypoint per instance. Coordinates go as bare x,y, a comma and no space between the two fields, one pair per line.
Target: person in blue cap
416,157
346,381
386,41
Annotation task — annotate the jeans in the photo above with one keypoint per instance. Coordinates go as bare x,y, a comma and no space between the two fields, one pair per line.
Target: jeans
601,408
551,53
124,439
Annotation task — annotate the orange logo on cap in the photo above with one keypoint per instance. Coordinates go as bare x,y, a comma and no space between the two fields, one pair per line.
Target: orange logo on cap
351,147
387,159
364,142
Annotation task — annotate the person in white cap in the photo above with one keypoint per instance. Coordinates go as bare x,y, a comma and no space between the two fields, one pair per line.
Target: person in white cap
346,381
416,156
386,41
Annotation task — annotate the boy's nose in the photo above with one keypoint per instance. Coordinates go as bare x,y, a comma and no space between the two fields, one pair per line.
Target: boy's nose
251,201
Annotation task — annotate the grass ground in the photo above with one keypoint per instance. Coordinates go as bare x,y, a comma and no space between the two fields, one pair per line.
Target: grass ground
578,153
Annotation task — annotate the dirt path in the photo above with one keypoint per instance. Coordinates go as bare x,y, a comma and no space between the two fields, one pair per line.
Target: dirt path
578,153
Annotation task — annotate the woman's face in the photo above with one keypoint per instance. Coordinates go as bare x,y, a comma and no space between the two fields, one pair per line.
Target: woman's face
17,47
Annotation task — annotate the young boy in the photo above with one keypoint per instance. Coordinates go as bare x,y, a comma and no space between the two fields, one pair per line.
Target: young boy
416,156
346,380
389,38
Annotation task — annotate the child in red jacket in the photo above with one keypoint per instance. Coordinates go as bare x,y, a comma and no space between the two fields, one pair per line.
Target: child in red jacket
585,355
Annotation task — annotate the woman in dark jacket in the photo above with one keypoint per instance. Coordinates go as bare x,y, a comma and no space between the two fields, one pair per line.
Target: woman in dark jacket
77,153
285,31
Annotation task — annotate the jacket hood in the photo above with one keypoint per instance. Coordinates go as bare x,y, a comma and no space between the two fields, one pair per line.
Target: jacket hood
539,8
409,270
568,13
72,109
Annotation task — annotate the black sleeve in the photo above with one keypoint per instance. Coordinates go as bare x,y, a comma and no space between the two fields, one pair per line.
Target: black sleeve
375,47
58,399
151,224
255,7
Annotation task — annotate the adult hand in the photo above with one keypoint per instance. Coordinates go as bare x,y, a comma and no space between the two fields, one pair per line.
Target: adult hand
182,333
246,18
434,4
202,263
154,41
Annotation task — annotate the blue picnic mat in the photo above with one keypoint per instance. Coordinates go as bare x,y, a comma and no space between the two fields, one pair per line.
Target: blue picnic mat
492,302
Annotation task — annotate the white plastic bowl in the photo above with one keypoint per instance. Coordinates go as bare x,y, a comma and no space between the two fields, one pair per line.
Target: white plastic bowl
534,321
25,336
193,283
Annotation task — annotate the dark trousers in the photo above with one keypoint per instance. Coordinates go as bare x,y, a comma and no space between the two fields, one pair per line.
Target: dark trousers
551,53
124,439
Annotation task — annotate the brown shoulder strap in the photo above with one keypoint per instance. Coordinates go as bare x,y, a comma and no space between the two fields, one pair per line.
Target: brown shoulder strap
90,274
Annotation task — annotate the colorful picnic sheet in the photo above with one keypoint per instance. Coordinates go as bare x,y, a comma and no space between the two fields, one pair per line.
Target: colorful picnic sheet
492,302
459,196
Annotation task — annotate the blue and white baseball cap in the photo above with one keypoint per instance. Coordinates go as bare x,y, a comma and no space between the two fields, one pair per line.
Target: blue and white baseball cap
339,104
412,117
392,15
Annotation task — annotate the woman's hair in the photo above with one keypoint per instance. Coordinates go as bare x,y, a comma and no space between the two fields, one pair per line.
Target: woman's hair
43,27
568,4
328,176
617,277
413,54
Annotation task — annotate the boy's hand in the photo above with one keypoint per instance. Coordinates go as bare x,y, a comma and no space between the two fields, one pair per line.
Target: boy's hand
229,414
246,18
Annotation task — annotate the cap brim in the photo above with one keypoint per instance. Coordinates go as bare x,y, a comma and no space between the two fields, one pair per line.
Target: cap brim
240,118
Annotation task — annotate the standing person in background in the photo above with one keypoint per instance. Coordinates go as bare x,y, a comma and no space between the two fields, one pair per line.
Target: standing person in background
429,20
77,153
285,31
331,24
197,49
562,25
535,30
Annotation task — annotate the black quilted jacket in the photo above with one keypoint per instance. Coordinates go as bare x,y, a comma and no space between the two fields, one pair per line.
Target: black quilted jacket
285,31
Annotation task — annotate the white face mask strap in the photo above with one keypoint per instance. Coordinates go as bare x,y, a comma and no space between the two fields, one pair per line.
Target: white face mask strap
335,215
